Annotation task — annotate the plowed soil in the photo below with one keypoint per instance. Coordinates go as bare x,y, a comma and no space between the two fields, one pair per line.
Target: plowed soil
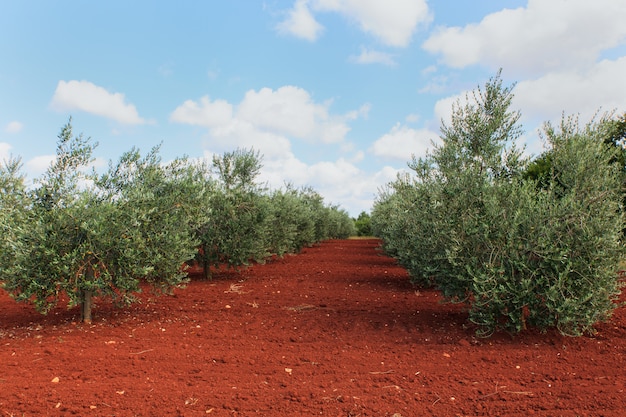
337,330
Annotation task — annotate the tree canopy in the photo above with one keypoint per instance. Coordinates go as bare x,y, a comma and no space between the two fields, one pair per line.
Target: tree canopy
522,245
85,234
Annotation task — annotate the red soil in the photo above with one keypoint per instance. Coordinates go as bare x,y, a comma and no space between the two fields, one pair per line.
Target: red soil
337,330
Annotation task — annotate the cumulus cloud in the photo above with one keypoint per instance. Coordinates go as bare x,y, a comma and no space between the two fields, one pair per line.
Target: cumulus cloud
288,112
90,98
554,94
291,111
39,164
572,92
267,120
392,22
242,134
361,112
324,177
300,22
13,127
401,142
369,56
366,188
548,97
543,36
205,113
443,107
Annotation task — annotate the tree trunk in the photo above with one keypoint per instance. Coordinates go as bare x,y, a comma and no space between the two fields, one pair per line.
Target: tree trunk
86,305
205,264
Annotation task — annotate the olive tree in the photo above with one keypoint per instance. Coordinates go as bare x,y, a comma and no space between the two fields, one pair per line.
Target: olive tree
517,252
236,213
86,235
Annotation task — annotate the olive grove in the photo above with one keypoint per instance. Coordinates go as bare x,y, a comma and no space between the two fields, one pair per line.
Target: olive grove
80,234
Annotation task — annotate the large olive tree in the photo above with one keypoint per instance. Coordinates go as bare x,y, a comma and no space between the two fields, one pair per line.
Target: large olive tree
519,251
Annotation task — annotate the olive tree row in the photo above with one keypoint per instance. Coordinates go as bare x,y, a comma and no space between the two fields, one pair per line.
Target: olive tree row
518,252
247,223
82,234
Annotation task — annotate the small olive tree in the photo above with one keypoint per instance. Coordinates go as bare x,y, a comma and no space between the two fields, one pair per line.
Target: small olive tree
363,224
236,213
86,235
286,215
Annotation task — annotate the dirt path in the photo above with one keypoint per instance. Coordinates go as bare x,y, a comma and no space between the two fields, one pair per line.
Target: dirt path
334,331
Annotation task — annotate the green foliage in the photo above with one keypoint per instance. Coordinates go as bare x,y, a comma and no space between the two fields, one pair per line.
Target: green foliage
14,218
614,134
285,212
520,250
341,225
235,226
245,224
539,170
87,235
363,224
610,130
292,226
157,207
84,235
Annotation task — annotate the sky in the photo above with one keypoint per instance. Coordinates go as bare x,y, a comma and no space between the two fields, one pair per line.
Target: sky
334,94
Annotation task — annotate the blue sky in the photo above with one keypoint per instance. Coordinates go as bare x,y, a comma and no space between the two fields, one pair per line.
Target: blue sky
336,94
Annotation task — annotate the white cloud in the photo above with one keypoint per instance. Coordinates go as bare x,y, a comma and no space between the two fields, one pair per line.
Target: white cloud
90,98
358,157
436,85
300,22
324,177
242,134
366,188
392,22
443,107
362,112
368,56
5,151
38,165
13,127
402,142
291,111
545,35
549,97
206,113
267,120
431,69
412,118
602,87
286,112
330,174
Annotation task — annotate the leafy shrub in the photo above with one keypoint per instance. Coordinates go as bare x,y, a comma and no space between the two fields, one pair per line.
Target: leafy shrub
518,254
363,224
85,236
236,213
243,223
